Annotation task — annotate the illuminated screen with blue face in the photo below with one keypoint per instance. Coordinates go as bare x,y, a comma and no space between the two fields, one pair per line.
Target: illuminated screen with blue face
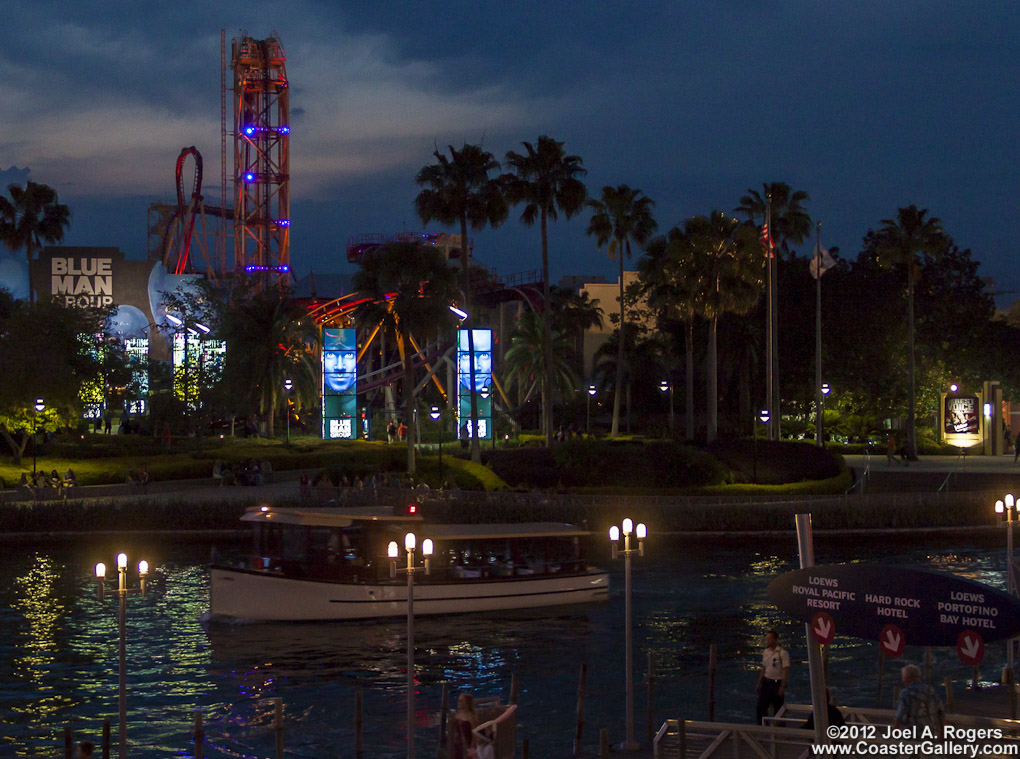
478,382
339,383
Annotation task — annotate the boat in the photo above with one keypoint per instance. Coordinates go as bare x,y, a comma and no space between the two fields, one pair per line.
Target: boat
320,564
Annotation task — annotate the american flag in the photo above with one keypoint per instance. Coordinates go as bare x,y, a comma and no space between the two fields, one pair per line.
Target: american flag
767,243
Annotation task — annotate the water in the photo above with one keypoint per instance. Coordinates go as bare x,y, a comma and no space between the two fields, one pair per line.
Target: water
58,650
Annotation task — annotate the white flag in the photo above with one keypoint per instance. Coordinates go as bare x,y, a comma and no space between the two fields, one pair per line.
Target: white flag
821,261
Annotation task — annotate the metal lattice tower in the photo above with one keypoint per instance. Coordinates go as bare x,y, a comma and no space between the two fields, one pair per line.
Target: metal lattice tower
261,158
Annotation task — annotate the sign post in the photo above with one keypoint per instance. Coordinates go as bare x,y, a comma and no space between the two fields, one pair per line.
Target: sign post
819,703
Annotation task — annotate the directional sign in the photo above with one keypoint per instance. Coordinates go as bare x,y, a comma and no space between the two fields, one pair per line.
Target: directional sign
931,609
823,627
892,641
970,647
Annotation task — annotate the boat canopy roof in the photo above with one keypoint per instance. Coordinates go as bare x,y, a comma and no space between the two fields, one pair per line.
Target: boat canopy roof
344,517
326,517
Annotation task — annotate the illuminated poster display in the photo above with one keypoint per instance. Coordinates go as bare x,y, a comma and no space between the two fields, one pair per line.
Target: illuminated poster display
339,384
480,383
962,415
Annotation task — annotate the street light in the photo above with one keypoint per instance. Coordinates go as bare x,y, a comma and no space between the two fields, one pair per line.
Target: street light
435,413
392,551
288,385
122,591
39,407
764,416
1004,508
820,425
614,536
667,387
591,394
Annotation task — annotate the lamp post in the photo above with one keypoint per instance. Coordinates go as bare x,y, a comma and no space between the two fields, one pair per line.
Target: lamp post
288,385
764,416
591,394
614,536
1004,509
392,551
667,387
820,424
39,407
122,591
436,415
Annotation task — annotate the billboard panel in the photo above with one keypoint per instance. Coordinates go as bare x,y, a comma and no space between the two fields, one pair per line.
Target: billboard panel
478,383
339,383
962,419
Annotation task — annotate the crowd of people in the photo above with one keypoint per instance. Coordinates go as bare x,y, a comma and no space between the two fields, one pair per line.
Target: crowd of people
250,472
40,483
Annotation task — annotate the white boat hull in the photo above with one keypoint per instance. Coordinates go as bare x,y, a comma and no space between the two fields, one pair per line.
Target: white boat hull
263,596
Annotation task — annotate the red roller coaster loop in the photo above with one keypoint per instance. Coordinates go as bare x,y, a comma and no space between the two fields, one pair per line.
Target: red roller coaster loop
186,212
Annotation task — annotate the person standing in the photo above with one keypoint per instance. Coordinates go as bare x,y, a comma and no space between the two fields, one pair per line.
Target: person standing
402,432
391,432
890,450
464,722
1016,448
775,671
919,705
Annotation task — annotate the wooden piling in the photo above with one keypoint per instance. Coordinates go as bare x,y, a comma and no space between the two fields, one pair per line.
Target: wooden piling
359,746
603,744
825,662
975,680
950,699
199,734
881,672
712,666
579,732
278,727
524,748
68,743
444,711
651,696
513,687
106,739
681,738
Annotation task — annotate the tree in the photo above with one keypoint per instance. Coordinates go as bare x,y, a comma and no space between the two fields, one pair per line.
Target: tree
47,350
459,190
524,361
545,180
671,281
32,216
722,254
790,222
898,243
270,338
621,216
411,287
574,313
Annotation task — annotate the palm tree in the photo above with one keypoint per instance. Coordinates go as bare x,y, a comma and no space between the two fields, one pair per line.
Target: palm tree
623,215
572,314
459,190
411,287
545,180
524,362
790,222
32,216
731,275
271,338
671,281
899,241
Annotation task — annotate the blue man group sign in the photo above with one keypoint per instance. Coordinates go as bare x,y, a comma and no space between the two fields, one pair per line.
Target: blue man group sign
339,383
931,609
479,382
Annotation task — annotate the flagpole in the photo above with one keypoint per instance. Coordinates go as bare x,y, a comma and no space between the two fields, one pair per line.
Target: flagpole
768,312
819,413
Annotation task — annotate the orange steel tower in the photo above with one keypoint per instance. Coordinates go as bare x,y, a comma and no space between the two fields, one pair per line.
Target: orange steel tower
261,158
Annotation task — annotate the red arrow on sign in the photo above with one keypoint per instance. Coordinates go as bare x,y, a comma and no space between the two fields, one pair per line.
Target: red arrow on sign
892,641
970,647
823,627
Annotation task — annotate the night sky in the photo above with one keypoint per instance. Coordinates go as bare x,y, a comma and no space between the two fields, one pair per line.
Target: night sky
868,106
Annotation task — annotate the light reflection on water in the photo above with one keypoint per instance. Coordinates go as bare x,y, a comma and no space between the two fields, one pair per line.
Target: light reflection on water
58,653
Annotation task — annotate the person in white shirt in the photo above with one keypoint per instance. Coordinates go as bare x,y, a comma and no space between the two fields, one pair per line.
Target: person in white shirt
775,671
